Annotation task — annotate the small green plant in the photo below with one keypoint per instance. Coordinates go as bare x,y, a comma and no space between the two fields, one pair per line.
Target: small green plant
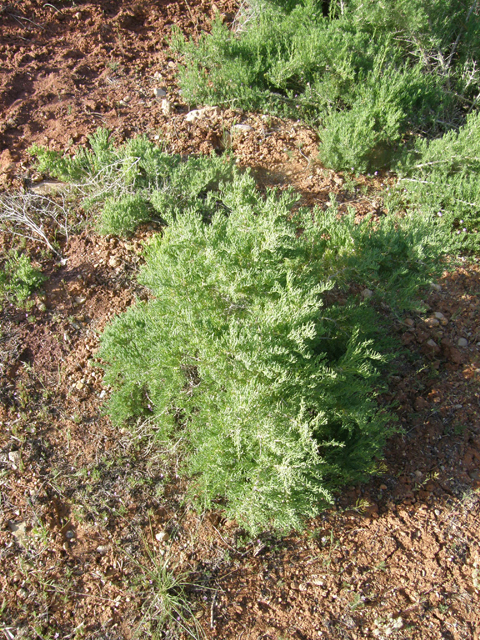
135,182
251,360
18,278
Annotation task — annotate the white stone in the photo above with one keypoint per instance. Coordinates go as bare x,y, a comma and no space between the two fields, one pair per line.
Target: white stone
462,342
241,128
162,536
166,107
197,114
158,92
15,458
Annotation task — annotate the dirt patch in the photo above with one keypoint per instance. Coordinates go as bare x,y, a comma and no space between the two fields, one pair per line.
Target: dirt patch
91,512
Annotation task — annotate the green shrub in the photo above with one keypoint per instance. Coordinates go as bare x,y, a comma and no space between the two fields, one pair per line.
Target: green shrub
135,182
18,278
253,358
441,178
370,75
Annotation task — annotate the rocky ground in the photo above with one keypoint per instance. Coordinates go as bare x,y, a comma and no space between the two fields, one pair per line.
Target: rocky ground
93,522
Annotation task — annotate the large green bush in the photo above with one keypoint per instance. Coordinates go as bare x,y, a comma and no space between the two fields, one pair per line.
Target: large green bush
369,75
254,359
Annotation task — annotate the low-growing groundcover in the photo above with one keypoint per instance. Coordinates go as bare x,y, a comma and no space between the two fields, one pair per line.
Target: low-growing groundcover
134,182
18,278
254,360
371,76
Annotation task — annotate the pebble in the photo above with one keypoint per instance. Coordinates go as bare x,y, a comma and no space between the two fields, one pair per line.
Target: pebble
432,322
162,536
48,188
409,322
158,92
166,107
432,343
15,458
435,287
462,342
70,535
19,531
102,549
79,385
367,293
197,114
241,128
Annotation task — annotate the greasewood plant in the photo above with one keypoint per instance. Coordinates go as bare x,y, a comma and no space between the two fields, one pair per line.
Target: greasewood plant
254,356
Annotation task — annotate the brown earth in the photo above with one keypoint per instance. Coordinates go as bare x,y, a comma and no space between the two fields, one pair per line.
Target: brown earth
90,514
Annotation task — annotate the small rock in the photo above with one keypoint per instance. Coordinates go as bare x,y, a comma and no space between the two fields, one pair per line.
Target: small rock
439,316
48,188
158,92
102,549
166,107
114,262
367,293
432,322
462,342
19,531
79,385
435,287
241,128
383,487
431,343
162,536
15,458
409,322
197,114
70,535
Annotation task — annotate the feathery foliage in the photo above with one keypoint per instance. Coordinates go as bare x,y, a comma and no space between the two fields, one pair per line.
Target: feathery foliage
369,75
254,359
442,178
135,182
19,278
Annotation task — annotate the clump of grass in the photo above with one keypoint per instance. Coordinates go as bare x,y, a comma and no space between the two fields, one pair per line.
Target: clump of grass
164,595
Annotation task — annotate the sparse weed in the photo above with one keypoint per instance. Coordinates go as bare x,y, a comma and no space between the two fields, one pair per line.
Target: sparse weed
163,592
